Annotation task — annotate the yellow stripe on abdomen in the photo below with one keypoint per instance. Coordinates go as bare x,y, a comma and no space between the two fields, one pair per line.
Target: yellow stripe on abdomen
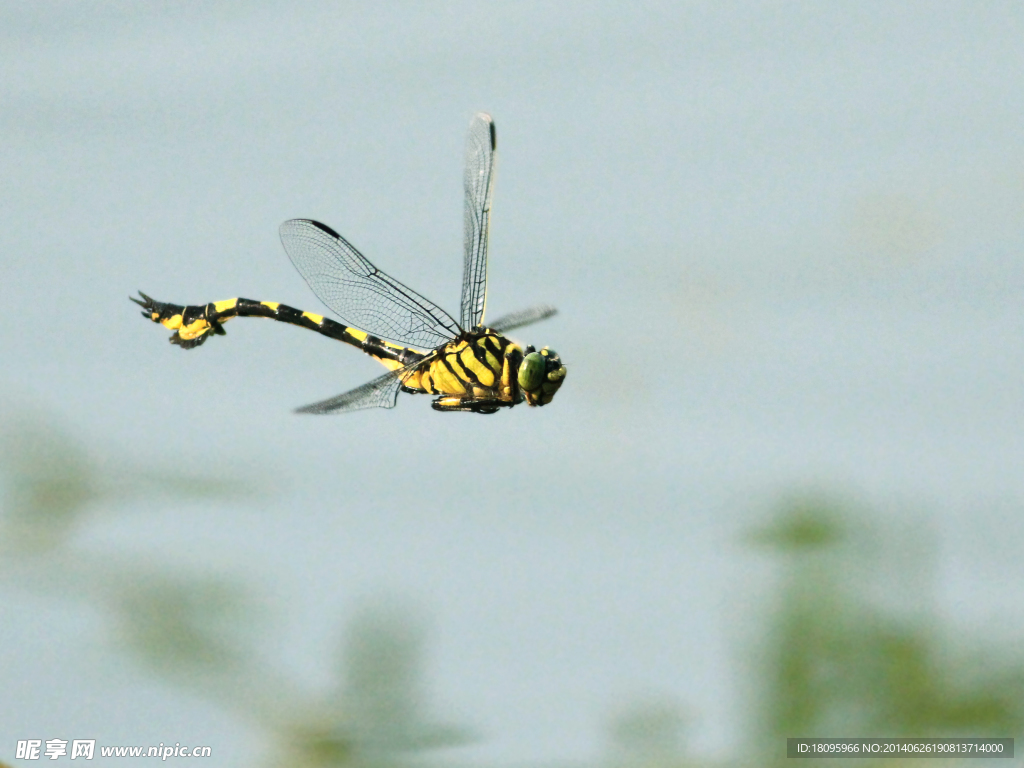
194,329
173,322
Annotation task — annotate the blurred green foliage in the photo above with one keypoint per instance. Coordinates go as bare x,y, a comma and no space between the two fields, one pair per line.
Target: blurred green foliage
51,485
838,665
834,663
202,632
648,732
48,484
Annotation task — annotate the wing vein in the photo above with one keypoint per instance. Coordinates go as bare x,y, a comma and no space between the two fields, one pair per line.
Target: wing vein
360,294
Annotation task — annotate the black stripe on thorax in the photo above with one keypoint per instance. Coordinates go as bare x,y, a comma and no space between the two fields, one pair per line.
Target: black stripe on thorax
444,361
470,377
479,347
497,345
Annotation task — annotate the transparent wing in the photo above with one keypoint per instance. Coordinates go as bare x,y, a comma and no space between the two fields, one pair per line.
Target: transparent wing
479,184
360,294
523,317
381,392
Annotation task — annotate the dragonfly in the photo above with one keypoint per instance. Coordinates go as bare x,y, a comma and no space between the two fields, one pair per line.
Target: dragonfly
466,364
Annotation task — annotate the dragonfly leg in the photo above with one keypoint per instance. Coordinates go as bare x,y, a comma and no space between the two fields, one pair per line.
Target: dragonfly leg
484,405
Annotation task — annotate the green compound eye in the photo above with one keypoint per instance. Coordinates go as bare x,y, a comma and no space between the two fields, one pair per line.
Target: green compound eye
532,371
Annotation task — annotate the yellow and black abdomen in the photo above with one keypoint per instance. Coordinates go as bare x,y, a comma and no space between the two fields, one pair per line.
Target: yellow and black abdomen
194,324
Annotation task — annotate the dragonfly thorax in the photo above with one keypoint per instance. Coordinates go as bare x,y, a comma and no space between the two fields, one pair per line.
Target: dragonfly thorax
483,371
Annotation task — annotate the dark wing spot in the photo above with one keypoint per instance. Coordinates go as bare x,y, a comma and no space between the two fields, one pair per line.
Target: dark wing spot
325,228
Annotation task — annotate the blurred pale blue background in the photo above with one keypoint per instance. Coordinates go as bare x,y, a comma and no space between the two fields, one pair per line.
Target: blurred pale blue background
786,244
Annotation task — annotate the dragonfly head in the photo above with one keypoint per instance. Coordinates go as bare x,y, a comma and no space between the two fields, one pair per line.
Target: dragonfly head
540,375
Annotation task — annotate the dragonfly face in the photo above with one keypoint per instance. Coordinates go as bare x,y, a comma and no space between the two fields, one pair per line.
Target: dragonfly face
540,375
467,366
